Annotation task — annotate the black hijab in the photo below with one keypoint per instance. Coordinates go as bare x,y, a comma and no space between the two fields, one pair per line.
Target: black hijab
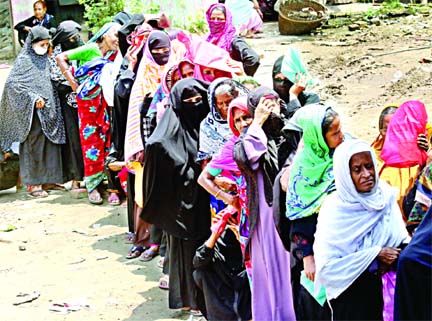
173,200
282,87
66,30
122,18
156,40
126,29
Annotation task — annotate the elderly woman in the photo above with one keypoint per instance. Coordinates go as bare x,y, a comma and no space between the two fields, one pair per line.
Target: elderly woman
40,18
223,35
92,106
360,231
32,116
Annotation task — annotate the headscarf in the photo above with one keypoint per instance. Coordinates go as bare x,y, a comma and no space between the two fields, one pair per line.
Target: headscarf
173,200
214,130
282,87
65,30
28,81
221,33
122,18
126,30
105,28
224,159
311,177
400,146
149,76
353,227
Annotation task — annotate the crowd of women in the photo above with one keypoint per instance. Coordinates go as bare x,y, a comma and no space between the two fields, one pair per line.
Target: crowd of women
260,206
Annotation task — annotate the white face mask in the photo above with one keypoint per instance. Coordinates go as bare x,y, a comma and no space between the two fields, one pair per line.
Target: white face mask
40,50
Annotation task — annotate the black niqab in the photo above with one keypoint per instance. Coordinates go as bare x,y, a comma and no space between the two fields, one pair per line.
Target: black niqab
126,29
157,40
65,30
173,200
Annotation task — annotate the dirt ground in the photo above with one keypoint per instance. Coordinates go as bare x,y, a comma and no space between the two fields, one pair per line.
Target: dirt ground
68,250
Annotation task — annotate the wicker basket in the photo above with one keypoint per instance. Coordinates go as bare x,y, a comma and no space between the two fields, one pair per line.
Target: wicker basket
291,26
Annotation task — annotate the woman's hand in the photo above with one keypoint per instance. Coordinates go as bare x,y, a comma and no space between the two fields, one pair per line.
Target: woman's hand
236,65
225,183
299,86
422,142
40,103
131,58
388,255
309,267
263,110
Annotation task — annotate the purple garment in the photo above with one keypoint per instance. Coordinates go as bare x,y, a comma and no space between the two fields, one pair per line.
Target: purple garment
221,37
271,277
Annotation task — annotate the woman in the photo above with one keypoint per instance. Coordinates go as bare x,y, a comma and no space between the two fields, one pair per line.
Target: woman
67,37
223,35
173,200
94,124
310,181
32,116
360,229
402,178
256,156
222,164
40,18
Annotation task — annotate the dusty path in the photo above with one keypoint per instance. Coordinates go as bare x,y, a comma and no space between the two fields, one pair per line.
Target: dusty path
71,250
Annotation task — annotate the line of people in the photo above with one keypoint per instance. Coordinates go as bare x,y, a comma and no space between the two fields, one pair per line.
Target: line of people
260,205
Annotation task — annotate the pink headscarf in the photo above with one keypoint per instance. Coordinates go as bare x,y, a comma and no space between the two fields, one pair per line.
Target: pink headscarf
224,159
400,146
221,34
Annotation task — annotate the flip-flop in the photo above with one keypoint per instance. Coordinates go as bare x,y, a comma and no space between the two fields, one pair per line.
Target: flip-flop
113,199
164,282
38,193
95,199
148,255
135,252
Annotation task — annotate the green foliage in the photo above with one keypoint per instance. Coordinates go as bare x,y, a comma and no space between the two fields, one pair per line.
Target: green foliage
142,6
99,12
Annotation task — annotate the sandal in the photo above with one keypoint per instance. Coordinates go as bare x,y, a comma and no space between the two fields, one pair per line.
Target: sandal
38,193
134,252
113,199
95,198
149,254
164,282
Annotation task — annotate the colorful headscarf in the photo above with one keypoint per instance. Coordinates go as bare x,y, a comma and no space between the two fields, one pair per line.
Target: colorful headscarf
311,177
105,28
221,34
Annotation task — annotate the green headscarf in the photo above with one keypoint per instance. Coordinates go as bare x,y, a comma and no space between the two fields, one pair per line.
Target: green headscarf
311,177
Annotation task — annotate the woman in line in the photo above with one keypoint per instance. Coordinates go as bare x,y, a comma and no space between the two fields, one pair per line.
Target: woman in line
359,234
402,178
92,107
67,37
40,18
31,115
256,156
173,200
223,165
223,35
310,180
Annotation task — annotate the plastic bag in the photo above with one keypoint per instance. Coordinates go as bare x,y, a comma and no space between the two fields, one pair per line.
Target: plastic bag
292,65
400,146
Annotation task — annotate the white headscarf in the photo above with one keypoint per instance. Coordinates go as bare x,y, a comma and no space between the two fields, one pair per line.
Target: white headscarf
353,227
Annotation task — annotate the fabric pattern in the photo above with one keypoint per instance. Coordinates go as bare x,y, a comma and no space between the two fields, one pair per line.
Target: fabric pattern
28,81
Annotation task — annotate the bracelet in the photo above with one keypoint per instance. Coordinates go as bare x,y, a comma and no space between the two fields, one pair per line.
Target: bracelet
218,192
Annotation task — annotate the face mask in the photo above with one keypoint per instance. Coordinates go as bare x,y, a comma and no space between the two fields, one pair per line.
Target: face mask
161,58
273,125
216,26
40,50
68,45
282,87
